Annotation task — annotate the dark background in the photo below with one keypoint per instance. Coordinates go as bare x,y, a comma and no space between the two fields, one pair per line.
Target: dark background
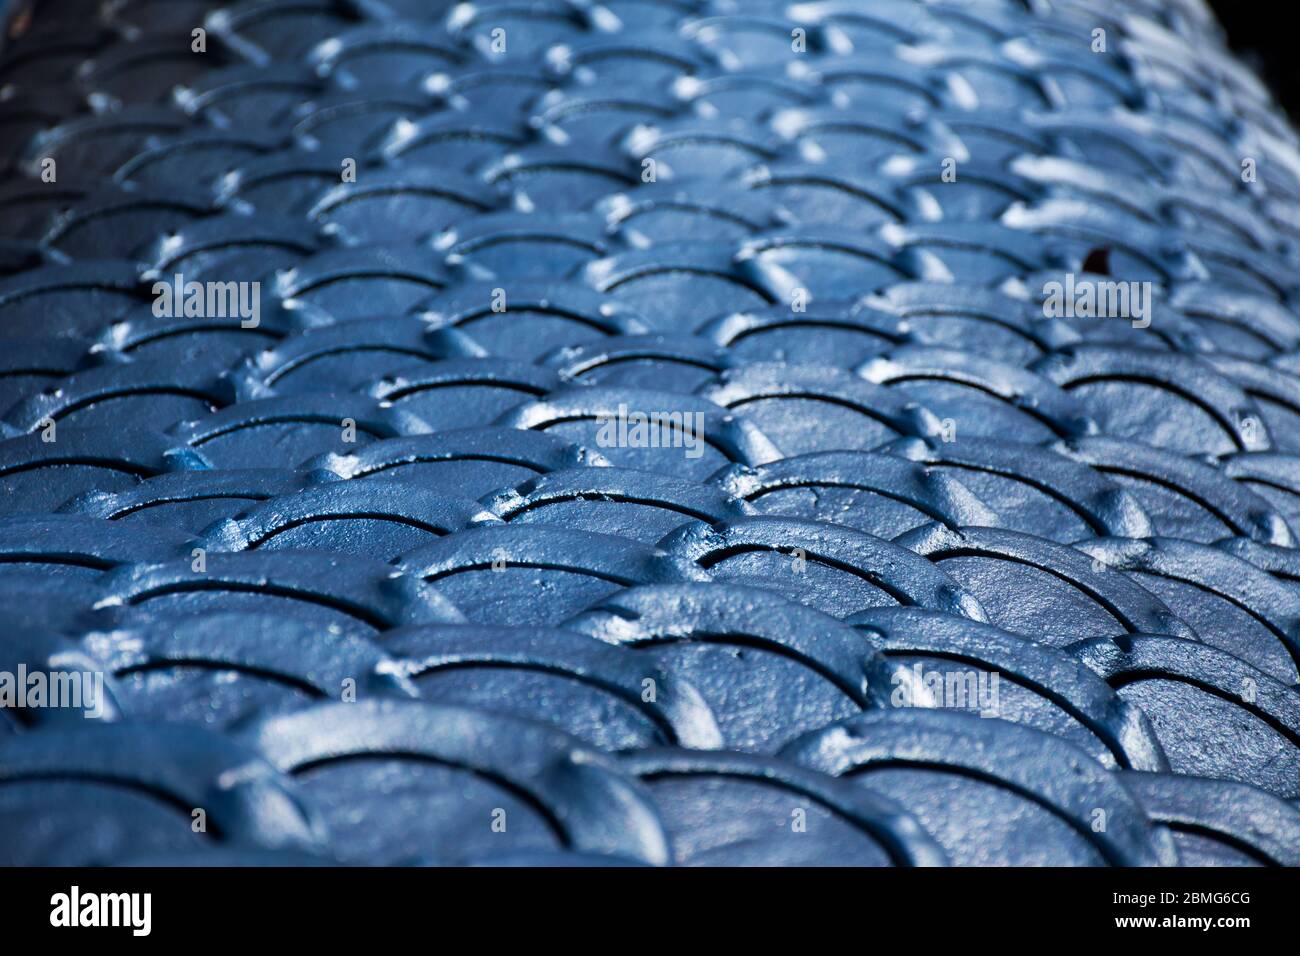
1262,32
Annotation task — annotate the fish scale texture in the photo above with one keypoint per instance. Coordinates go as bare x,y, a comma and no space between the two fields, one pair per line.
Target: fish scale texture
540,432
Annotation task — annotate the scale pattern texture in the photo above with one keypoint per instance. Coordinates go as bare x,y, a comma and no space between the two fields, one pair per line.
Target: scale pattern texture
562,432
